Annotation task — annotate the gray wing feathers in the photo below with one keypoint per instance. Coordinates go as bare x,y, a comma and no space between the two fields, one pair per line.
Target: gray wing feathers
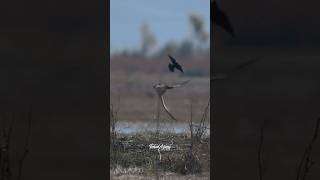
179,85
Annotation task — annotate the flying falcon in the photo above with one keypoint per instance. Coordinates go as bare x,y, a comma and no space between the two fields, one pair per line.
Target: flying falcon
219,17
161,88
174,64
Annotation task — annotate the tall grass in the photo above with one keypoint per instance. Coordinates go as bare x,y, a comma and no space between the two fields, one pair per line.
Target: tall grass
192,162
9,168
132,151
306,161
113,135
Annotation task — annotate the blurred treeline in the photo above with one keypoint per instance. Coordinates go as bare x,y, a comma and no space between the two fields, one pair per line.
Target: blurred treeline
197,44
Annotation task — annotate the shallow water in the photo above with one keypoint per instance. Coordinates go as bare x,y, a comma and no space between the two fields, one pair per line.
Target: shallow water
129,127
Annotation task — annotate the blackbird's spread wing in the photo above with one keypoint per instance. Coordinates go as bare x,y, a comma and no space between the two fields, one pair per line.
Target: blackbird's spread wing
179,67
175,64
171,67
172,59
220,18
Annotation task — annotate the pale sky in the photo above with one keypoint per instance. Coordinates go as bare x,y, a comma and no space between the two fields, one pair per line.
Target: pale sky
167,19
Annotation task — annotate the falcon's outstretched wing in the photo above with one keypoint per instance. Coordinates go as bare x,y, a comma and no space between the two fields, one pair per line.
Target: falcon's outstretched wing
243,65
178,85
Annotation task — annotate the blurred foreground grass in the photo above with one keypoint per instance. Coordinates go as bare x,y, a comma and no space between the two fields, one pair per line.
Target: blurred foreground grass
130,155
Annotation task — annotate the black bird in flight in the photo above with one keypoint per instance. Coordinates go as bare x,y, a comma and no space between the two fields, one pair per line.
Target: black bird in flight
174,64
219,17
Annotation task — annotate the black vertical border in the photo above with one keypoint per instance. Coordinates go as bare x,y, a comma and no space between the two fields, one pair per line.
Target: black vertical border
107,31
211,95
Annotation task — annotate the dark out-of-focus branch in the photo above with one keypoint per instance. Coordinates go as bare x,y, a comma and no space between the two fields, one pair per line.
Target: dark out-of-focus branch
5,142
306,162
260,151
26,146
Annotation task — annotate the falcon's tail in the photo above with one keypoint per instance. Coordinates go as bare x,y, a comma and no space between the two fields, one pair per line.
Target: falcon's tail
166,108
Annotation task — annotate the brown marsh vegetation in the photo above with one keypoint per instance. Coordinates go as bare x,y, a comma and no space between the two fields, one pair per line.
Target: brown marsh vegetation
133,100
